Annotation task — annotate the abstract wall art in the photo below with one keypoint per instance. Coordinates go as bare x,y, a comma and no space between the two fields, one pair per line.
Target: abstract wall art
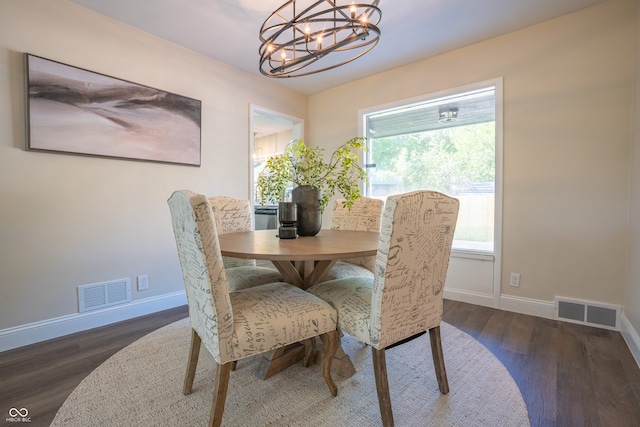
76,111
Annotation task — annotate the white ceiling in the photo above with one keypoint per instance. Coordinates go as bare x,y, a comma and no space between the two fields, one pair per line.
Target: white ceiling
411,30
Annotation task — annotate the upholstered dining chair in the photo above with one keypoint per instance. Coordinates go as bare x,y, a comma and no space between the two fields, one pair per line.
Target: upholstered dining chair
364,215
404,298
229,322
231,216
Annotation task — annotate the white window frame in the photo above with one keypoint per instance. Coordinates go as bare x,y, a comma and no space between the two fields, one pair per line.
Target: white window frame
494,256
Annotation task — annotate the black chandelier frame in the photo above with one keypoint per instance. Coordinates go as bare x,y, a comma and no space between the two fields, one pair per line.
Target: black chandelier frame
290,45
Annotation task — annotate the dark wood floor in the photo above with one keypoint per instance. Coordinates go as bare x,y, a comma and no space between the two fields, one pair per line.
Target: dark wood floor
569,375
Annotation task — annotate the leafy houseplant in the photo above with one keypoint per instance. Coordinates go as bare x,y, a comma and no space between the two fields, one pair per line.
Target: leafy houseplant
300,165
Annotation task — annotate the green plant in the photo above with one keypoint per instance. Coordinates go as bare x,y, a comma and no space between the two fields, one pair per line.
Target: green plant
303,165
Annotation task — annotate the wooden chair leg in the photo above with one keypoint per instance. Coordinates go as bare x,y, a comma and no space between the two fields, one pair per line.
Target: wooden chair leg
220,394
194,352
438,359
382,385
330,341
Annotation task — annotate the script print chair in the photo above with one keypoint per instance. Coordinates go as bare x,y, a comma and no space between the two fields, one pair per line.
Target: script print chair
227,323
364,215
231,216
404,298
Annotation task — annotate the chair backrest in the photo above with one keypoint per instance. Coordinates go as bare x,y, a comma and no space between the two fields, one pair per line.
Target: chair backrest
203,271
411,265
232,216
364,215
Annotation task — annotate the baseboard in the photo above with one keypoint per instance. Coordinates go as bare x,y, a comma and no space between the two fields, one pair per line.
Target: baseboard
631,337
469,297
53,328
532,307
520,305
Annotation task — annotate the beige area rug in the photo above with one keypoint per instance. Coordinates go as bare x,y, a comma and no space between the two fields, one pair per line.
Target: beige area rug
142,386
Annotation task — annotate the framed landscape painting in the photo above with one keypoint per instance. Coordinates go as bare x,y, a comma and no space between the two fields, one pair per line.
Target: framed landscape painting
75,111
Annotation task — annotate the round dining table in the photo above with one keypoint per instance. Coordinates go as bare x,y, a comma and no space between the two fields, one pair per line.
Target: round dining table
302,261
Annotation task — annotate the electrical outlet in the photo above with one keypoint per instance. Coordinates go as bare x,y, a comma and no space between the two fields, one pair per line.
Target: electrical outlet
143,283
515,280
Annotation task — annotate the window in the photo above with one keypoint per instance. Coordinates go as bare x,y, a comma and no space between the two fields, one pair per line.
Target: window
445,143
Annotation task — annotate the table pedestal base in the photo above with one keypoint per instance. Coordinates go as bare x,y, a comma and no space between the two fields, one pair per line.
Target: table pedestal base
280,359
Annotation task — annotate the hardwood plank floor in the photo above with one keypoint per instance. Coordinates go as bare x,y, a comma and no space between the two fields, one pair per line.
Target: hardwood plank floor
569,375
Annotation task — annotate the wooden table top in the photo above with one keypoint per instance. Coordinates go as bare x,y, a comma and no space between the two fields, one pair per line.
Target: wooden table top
326,245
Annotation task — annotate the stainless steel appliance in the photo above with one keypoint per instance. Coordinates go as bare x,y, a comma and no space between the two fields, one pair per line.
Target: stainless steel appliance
266,217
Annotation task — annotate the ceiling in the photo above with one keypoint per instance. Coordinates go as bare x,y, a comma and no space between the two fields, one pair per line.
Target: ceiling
411,30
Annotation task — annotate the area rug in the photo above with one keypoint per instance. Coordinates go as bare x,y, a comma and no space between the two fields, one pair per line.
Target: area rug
142,386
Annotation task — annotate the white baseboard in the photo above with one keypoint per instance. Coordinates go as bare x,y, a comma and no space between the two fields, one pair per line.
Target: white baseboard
631,337
53,328
532,307
469,297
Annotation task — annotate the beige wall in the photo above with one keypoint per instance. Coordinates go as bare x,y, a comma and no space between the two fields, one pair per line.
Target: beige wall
567,135
632,294
68,220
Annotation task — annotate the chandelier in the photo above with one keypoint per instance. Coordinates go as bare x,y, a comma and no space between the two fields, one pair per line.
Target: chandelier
304,37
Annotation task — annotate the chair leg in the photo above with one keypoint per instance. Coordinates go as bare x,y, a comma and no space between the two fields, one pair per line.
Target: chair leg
330,341
438,359
382,385
220,394
194,352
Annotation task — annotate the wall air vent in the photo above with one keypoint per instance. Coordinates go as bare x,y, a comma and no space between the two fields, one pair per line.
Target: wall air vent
588,313
105,294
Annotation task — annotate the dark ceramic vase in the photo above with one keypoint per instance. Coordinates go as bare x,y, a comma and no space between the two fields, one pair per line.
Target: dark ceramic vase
307,200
